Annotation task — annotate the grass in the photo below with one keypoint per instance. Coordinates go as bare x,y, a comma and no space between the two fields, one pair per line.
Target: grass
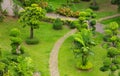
40,52
116,19
67,61
106,8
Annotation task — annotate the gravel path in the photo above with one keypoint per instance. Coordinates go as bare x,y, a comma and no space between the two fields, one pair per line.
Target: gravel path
53,62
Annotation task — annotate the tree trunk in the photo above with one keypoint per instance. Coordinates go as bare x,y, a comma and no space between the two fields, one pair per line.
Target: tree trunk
84,59
31,32
94,2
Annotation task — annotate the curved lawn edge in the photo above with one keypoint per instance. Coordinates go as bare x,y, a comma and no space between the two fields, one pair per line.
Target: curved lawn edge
53,61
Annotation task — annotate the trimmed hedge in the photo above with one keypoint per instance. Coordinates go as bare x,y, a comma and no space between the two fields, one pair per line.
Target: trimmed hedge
32,41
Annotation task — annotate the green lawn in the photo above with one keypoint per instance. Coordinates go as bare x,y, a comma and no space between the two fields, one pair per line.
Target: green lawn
40,52
67,61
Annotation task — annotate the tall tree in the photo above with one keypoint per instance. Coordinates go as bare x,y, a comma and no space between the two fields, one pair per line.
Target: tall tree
31,17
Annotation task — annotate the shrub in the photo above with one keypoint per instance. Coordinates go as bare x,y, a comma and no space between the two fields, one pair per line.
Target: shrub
94,7
104,68
15,32
32,41
113,68
88,66
57,25
49,8
113,2
92,22
64,11
76,14
73,24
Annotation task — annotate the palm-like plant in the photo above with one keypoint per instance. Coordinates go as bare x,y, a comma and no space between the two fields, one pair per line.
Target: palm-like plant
83,43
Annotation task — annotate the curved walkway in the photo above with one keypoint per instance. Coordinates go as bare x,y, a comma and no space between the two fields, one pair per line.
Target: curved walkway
53,61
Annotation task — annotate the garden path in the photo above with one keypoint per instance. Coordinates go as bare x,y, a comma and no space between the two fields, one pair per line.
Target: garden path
53,61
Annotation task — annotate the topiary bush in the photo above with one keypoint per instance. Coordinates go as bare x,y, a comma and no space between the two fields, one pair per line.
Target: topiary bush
16,42
32,41
57,25
49,8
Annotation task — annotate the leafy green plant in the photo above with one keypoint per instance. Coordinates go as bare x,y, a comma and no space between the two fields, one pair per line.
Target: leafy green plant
57,25
82,48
